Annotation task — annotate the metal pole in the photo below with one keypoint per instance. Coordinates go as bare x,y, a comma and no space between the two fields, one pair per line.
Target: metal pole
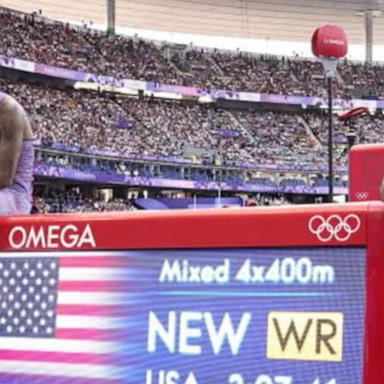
111,17
219,190
330,141
368,16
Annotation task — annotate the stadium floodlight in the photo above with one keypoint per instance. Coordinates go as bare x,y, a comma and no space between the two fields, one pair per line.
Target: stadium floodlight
329,44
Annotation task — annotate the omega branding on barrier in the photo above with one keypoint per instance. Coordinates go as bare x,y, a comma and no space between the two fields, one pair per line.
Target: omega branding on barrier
51,236
250,313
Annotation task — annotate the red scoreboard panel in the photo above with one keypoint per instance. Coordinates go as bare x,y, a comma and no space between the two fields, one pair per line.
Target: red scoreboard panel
366,170
287,295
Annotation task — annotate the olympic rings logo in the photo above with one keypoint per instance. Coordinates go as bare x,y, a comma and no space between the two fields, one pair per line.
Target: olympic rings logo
334,227
362,195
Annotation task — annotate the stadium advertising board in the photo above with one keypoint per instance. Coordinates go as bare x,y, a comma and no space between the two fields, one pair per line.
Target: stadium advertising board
65,73
181,304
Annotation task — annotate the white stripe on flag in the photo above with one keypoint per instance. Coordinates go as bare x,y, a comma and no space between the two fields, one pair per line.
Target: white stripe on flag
91,298
59,369
78,254
88,322
92,274
58,345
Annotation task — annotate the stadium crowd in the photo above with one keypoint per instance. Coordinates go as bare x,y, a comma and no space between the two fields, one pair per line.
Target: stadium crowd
74,202
123,126
127,126
40,40
70,202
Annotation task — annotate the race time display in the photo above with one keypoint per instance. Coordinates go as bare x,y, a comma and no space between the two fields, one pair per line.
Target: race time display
285,295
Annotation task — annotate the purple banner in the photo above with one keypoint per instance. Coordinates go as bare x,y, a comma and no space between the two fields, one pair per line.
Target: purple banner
86,77
124,124
8,62
20,65
318,101
63,73
63,147
194,92
178,160
230,133
281,99
179,89
187,203
100,177
224,94
217,94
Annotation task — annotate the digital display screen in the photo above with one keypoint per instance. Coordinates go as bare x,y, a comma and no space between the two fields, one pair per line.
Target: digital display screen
236,316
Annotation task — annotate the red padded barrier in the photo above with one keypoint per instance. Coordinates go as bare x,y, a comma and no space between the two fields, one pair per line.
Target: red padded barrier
349,226
366,170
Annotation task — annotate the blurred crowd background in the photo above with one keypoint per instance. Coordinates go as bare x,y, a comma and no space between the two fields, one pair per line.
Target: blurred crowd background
215,137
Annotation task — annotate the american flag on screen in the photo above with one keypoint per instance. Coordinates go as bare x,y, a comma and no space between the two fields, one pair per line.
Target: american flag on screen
60,317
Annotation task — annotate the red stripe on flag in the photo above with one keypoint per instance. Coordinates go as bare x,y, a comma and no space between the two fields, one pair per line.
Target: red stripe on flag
91,262
57,357
45,379
90,310
93,286
87,334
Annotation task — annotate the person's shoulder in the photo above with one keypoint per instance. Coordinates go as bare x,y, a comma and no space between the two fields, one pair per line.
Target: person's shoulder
8,103
13,117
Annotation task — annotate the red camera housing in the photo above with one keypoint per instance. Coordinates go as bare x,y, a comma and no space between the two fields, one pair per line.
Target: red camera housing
330,41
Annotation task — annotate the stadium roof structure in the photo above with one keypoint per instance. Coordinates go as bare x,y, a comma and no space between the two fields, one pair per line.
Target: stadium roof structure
288,20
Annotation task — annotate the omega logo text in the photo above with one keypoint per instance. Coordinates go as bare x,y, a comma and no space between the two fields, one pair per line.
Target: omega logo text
51,236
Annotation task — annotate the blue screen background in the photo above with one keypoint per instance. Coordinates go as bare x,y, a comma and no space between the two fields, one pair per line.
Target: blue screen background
346,294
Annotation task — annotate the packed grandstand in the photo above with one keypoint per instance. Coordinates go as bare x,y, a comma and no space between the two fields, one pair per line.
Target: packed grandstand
94,137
